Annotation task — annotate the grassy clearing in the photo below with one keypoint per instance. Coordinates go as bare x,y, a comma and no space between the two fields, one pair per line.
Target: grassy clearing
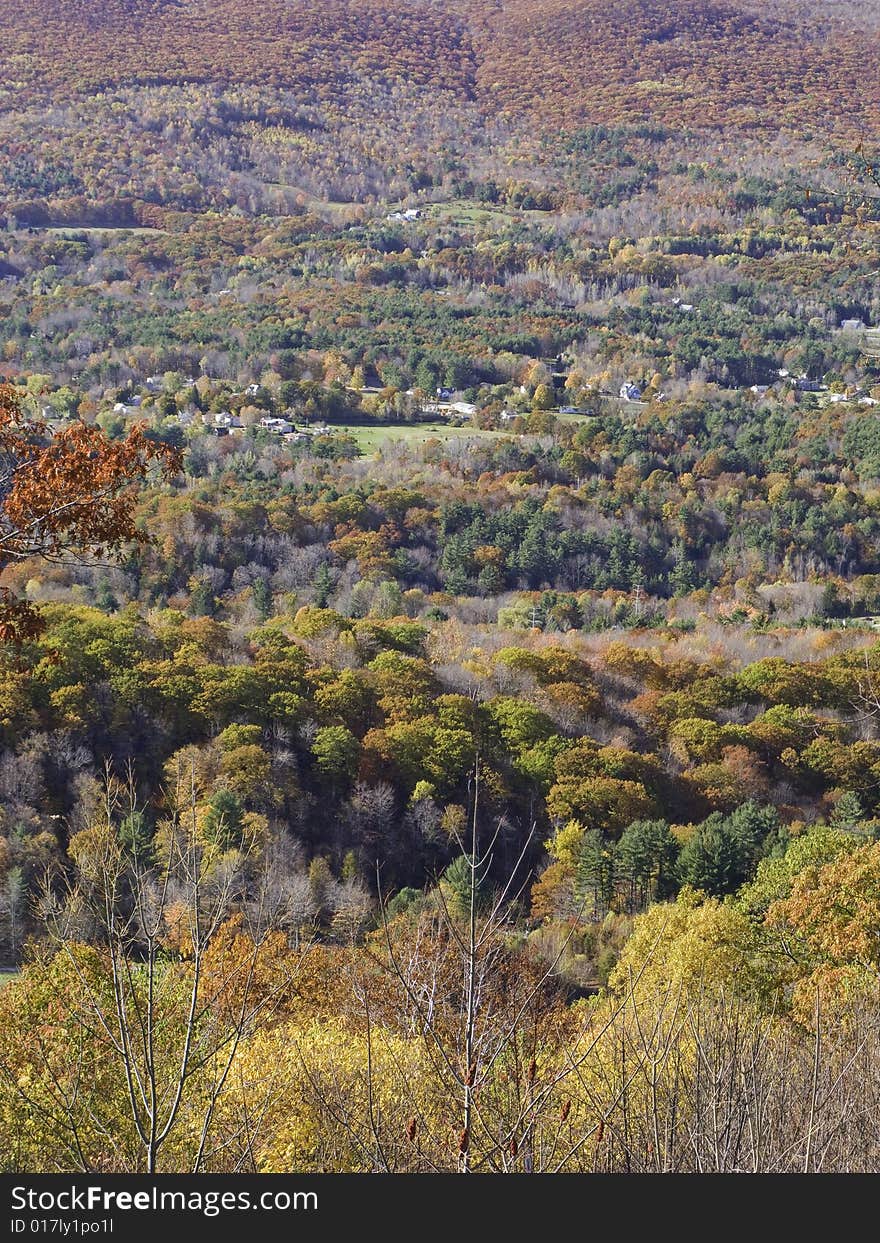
371,439
466,212
328,209
6,977
566,417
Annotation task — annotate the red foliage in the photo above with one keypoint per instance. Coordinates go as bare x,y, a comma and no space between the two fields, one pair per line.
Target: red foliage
66,495
568,62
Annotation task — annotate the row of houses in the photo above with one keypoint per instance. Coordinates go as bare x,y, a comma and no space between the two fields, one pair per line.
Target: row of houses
224,423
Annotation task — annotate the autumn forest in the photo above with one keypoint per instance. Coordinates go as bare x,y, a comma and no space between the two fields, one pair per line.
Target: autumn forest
439,586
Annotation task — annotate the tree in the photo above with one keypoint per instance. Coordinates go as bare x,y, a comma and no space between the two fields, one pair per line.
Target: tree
202,601
262,596
848,811
594,874
692,944
224,822
645,861
603,803
134,832
172,982
777,873
336,751
13,898
455,885
543,398
486,1018
832,910
724,851
66,496
323,584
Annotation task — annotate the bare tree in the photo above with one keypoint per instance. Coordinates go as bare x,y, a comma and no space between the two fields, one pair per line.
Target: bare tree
485,1018
184,988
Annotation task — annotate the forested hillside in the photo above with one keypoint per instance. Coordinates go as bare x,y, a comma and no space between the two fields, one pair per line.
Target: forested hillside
127,98
439,585
734,63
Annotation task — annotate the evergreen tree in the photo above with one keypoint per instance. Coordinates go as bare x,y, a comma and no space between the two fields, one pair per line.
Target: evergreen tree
645,859
323,585
134,833
262,594
224,821
594,878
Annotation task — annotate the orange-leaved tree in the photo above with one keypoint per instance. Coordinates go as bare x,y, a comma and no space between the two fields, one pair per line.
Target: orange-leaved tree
66,495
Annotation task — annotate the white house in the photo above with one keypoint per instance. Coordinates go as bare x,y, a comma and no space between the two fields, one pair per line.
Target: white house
278,427
630,392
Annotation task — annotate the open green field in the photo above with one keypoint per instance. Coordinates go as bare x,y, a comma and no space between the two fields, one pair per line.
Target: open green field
465,213
371,439
7,976
566,417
